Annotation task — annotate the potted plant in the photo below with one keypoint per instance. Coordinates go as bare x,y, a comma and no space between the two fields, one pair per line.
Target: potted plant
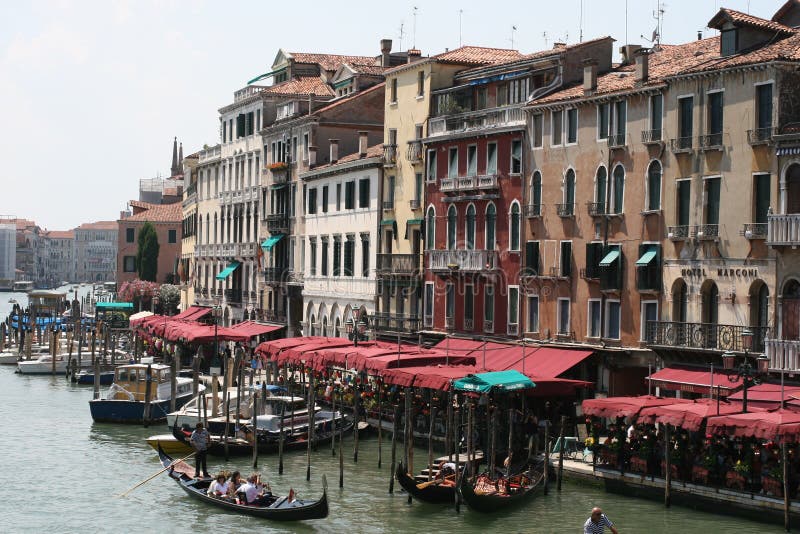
278,166
737,477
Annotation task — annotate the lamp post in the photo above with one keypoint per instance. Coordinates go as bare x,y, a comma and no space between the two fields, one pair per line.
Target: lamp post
749,374
216,312
356,325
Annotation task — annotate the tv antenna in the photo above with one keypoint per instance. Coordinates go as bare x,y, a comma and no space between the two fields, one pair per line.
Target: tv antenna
544,36
401,36
580,24
414,40
460,12
658,15
513,29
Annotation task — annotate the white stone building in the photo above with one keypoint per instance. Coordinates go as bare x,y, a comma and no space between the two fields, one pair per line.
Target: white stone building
8,253
96,251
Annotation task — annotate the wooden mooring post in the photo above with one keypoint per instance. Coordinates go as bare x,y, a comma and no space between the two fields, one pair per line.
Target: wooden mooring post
281,439
395,425
341,446
561,451
667,467
546,457
380,421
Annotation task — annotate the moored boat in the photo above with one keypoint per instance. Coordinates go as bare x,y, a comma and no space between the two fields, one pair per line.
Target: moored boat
169,444
125,400
487,494
43,365
286,508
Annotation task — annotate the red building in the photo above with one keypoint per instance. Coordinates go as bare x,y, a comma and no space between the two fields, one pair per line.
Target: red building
475,152
167,219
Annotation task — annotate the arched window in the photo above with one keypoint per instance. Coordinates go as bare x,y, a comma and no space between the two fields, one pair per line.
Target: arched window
759,307
513,225
430,229
710,302
569,193
790,311
536,195
618,189
325,327
470,230
216,237
680,301
491,220
452,217
311,328
793,189
600,184
654,186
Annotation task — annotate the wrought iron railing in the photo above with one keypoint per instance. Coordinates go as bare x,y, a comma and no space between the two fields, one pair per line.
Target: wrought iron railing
278,222
706,231
596,209
616,141
652,137
755,230
678,233
681,144
704,336
393,322
711,141
233,296
761,136
565,210
532,211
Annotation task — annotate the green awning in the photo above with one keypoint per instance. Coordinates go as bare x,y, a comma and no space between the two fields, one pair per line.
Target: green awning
646,258
114,306
387,222
270,242
510,380
226,272
414,221
265,75
609,258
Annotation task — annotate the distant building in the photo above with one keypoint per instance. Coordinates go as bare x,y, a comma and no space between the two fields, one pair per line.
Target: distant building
165,190
167,220
96,251
30,252
8,253
59,247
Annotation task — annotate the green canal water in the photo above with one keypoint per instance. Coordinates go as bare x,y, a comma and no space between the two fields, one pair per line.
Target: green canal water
63,474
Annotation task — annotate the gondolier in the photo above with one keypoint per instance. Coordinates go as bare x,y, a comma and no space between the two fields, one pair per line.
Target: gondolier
597,522
199,440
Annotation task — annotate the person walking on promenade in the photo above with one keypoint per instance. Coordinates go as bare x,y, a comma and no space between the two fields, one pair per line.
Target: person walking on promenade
199,440
597,522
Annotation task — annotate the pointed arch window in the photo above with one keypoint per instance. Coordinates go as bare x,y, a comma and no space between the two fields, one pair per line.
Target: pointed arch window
470,230
491,223
618,189
600,185
430,229
452,217
654,186
514,226
535,209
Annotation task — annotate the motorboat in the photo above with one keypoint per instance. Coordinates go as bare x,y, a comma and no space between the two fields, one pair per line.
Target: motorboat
43,365
141,392
192,412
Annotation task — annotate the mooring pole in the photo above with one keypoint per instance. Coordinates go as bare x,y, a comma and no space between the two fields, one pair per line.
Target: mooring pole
395,425
667,467
280,440
561,451
380,421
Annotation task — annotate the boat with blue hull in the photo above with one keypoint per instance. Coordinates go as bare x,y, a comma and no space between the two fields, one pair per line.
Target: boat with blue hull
125,400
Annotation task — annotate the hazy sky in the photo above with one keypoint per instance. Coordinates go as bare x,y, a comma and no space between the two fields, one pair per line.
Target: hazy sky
92,93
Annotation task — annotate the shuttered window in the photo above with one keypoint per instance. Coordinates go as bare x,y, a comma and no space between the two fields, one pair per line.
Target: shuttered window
532,257
684,197
566,258
363,193
349,255
762,197
712,200
349,195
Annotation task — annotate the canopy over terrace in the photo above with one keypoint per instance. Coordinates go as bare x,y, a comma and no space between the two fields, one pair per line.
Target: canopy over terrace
191,332
253,329
689,416
780,424
768,397
695,380
193,313
271,349
300,354
432,377
625,406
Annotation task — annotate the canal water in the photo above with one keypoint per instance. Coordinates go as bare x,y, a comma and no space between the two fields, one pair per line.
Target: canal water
64,474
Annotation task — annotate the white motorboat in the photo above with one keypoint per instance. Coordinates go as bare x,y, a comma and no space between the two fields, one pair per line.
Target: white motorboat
192,412
11,355
43,365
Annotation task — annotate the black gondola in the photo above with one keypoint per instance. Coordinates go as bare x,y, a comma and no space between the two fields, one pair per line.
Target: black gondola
489,495
279,509
436,491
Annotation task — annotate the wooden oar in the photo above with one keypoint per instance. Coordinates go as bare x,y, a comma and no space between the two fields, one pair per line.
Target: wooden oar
151,477
434,481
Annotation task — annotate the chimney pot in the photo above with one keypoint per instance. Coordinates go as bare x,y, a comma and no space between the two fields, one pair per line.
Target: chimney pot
334,150
642,65
589,76
413,54
386,52
312,155
363,137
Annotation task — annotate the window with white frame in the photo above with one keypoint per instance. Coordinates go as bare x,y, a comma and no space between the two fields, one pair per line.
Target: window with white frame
513,310
469,306
556,127
593,319
450,305
452,163
469,230
572,126
654,186
430,228
563,317
491,223
533,313
649,315
603,120
431,174
452,219
491,158
538,129
617,189
472,160
516,156
612,319
620,120
488,308
514,226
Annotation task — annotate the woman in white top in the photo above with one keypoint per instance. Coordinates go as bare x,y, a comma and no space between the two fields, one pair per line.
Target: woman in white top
219,487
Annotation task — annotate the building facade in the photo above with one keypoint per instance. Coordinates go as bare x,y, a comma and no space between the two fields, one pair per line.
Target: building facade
341,226
167,219
59,247
8,253
96,251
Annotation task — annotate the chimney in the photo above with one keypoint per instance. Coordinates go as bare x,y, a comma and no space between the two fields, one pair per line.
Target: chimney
386,51
362,143
334,150
312,155
589,76
642,65
699,35
414,54
628,51
558,45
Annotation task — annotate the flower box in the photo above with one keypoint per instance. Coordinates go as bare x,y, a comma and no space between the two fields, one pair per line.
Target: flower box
699,474
735,480
772,486
278,166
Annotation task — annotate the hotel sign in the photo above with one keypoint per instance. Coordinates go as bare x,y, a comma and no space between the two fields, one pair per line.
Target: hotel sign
722,272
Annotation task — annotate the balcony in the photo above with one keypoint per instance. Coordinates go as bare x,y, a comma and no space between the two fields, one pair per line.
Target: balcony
271,316
447,184
652,137
466,261
245,250
707,232
274,275
233,296
280,175
389,155
466,183
227,250
469,324
783,230
488,326
476,120
532,211
388,205
616,141
783,354
414,151
488,181
278,223
596,209
395,323
681,145
513,329
703,336
209,154
711,142
565,210
678,233
414,204
761,136
390,265
450,323
754,231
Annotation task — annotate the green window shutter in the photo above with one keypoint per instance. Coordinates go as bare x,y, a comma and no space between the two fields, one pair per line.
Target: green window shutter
337,257
712,204
349,195
591,260
530,250
363,193
684,198
566,259
762,197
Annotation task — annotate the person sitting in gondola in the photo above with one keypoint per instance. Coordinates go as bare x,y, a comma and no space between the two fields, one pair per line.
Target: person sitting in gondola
234,483
446,469
219,487
253,491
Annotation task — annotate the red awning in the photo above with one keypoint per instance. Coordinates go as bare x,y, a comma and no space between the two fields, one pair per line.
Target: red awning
252,328
303,353
555,387
768,396
549,362
193,313
270,349
782,424
688,416
433,377
694,380
192,332
458,345
624,406
412,359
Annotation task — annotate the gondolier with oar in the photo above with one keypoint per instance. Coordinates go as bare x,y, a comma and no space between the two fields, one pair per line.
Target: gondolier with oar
200,439
597,523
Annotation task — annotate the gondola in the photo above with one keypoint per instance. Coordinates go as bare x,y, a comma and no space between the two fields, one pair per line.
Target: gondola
279,509
489,495
436,491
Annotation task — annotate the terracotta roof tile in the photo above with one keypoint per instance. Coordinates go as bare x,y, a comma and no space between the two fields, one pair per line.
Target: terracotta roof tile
478,55
100,225
743,19
784,9
347,98
302,85
60,234
331,61
372,152
155,212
